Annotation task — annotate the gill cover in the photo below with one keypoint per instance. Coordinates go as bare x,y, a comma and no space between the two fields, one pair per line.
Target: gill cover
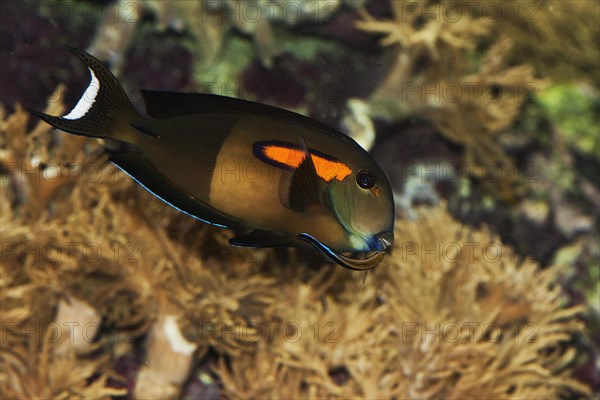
364,206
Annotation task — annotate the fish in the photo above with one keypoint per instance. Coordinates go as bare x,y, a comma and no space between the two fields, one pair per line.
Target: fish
275,177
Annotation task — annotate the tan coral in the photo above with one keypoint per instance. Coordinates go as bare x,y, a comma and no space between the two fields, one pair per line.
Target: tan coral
437,76
451,313
53,360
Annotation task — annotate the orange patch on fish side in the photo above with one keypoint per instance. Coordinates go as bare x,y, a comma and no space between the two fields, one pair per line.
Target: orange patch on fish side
326,169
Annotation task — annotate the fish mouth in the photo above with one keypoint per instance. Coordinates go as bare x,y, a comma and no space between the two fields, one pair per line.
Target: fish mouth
371,260
384,240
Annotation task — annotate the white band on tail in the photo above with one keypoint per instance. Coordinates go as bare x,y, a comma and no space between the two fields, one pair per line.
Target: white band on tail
87,100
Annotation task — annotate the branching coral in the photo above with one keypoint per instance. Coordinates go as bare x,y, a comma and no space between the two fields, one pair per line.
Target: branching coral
49,362
547,37
520,326
34,372
451,313
449,71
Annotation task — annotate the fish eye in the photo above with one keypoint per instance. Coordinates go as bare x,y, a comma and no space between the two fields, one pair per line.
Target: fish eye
365,179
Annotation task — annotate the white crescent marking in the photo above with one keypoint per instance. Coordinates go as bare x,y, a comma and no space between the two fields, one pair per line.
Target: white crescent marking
87,100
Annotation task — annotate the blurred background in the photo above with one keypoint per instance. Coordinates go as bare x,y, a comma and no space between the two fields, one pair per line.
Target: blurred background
484,115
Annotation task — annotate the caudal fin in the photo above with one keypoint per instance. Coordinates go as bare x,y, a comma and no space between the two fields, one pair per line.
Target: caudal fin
104,110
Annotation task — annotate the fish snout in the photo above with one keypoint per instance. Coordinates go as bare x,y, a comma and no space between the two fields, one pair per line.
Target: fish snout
383,240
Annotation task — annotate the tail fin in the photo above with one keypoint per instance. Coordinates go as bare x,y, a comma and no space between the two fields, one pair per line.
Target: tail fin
103,111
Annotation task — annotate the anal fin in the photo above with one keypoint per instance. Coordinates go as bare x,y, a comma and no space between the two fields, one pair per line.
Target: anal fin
138,168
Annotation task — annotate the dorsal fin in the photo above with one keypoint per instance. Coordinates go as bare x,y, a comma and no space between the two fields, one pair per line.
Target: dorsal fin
160,104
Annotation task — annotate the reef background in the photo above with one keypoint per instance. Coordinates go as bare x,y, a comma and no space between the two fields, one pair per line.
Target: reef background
485,118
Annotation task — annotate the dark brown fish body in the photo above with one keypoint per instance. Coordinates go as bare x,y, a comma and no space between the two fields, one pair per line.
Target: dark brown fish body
227,178
244,165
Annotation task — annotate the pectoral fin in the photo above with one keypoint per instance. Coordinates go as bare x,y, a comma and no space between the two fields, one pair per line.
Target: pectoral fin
301,187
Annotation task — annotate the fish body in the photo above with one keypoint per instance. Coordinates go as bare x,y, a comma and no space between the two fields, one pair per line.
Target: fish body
284,179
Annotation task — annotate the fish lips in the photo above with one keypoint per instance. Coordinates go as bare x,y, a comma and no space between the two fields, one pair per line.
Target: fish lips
381,241
362,264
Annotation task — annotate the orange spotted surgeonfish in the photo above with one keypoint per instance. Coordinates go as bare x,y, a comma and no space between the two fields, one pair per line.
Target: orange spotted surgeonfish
282,178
